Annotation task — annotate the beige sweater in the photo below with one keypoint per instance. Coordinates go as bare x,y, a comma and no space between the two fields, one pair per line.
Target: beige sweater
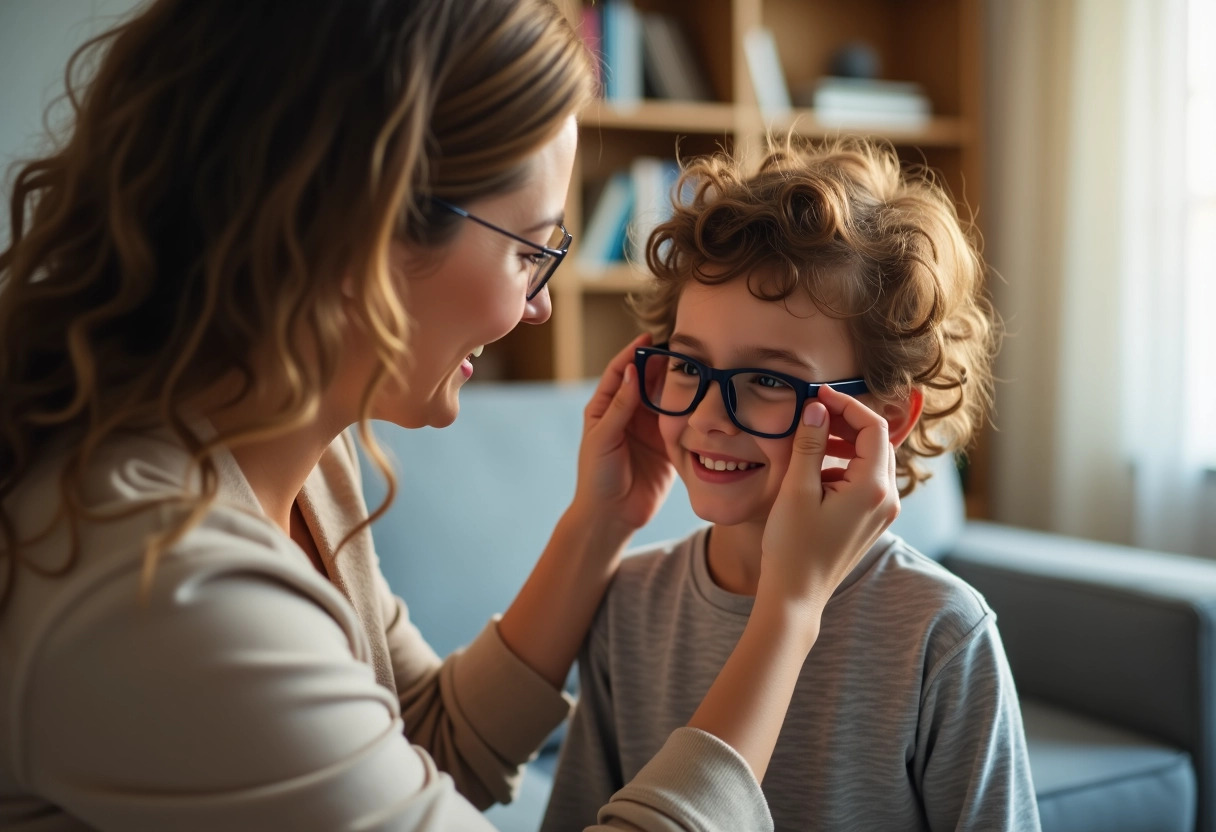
249,692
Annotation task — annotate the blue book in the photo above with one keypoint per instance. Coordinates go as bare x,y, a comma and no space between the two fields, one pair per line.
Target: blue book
622,33
605,232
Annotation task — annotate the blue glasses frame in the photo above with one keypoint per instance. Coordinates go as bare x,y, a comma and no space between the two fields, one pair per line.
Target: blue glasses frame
545,269
706,375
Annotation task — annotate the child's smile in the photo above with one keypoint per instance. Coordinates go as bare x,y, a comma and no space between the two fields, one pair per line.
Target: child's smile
720,468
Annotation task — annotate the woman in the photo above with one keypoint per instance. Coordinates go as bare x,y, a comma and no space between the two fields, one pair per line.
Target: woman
271,222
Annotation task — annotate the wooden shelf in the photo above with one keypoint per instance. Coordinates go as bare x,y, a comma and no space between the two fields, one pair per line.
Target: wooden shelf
621,279
663,116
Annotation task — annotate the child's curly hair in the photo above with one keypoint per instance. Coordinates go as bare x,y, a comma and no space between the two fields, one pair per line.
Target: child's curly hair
879,247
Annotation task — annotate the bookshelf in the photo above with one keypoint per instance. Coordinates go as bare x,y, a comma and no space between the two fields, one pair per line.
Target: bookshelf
935,43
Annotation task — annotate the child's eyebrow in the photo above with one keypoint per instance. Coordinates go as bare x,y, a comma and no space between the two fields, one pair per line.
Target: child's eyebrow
749,355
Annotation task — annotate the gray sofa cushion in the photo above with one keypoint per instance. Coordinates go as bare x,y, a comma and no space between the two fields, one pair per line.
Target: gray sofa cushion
1092,777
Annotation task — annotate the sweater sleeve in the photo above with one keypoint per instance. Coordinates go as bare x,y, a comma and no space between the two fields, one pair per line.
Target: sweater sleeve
482,714
973,769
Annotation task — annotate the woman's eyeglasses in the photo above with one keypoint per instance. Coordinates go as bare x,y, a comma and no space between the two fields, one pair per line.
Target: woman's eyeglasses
547,258
761,402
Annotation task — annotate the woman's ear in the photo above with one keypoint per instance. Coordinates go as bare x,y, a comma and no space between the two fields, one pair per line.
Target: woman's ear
902,416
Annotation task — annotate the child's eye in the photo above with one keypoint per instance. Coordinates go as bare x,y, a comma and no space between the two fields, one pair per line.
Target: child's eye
684,368
534,258
769,384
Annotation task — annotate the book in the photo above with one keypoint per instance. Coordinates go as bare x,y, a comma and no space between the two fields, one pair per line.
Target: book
846,102
622,39
591,31
669,64
764,64
607,225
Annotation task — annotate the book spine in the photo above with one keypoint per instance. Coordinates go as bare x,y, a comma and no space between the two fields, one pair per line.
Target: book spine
592,32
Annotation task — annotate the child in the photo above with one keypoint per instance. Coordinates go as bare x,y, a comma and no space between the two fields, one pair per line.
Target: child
826,265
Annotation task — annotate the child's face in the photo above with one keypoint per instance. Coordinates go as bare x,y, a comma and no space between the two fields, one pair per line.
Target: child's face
725,327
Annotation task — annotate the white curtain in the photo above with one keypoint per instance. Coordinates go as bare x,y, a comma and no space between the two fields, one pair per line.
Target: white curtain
1088,230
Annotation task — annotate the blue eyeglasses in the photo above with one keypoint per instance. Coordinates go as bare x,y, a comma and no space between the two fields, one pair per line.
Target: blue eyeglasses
547,257
763,403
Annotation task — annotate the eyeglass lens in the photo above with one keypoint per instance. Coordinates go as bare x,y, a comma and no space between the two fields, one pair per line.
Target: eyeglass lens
545,263
760,402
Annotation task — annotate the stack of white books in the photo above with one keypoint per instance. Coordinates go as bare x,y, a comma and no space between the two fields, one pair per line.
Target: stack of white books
863,102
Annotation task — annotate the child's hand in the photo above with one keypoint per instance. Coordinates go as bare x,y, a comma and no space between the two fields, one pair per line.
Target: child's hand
623,471
824,521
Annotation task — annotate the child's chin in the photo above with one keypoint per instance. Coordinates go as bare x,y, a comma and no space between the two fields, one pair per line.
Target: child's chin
724,514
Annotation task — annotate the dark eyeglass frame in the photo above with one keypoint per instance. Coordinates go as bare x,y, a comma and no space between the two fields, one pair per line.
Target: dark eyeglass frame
545,270
803,390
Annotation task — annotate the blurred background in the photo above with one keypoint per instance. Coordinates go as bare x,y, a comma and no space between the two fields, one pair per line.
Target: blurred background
1080,136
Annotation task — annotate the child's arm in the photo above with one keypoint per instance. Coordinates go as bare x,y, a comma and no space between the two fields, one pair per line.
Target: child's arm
973,771
588,770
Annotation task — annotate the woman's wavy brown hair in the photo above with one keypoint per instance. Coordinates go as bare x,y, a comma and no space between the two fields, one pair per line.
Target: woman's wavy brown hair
875,245
229,163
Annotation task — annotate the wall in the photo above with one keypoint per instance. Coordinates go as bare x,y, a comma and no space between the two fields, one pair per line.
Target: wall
36,39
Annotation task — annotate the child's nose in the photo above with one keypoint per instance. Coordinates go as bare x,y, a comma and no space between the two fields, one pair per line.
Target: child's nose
711,414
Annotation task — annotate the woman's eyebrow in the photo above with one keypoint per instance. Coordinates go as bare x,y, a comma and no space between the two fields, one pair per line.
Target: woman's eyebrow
545,224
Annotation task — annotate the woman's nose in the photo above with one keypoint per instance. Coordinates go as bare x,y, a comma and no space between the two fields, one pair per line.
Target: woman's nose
538,310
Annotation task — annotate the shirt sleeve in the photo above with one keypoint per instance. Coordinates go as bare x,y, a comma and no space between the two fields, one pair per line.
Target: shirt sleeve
482,714
973,767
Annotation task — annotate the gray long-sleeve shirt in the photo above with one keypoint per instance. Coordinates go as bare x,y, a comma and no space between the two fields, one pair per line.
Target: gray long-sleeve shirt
905,715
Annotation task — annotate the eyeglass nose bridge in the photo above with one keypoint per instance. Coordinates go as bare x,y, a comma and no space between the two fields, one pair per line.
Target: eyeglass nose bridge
725,384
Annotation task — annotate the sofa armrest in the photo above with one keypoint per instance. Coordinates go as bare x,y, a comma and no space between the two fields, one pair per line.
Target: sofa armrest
1122,634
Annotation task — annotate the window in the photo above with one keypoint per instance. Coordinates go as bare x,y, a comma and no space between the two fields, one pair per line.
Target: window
1200,262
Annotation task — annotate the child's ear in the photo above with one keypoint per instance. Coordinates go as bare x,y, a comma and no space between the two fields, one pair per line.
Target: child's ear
902,416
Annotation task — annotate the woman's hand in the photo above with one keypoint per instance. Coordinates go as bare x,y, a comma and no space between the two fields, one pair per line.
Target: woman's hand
623,471
824,521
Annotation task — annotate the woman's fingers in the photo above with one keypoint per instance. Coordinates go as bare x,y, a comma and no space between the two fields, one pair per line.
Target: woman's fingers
810,446
610,381
621,407
840,449
870,443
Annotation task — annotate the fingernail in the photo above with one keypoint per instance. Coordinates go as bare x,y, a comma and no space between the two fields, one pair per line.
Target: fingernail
627,376
814,414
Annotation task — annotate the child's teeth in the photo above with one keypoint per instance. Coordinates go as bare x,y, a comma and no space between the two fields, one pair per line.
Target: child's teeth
723,465
479,351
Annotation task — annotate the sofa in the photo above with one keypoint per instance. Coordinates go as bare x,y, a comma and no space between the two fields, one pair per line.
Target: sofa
1111,647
